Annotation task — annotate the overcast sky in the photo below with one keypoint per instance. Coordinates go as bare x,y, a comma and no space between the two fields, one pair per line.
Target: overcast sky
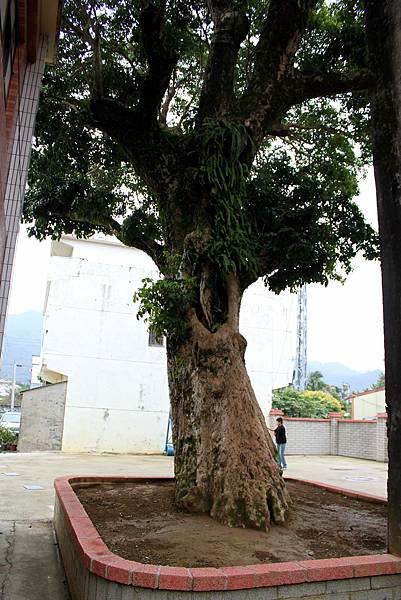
345,322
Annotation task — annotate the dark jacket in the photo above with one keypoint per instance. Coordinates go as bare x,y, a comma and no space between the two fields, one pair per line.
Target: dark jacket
279,432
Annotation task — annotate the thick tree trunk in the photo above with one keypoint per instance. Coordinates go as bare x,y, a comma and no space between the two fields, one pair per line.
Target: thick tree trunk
384,39
224,456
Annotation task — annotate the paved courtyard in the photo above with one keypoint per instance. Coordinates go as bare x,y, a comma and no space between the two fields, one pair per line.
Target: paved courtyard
366,476
29,566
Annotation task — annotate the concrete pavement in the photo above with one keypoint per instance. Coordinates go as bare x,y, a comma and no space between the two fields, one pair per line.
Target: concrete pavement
29,561
366,476
29,564
41,468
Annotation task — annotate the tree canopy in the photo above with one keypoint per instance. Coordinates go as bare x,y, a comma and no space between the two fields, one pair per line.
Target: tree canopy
313,404
259,108
315,382
381,382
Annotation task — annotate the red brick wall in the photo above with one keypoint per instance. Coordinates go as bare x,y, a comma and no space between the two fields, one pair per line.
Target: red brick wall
3,139
9,110
17,78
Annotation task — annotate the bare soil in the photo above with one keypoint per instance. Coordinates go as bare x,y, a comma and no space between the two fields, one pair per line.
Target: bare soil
139,521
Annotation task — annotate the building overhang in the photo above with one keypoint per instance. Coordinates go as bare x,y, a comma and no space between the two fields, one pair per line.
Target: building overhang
50,376
50,13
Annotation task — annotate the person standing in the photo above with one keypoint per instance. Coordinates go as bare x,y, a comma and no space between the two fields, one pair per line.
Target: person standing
281,441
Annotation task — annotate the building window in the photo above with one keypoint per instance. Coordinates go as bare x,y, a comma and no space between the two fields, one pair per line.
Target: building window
8,30
155,340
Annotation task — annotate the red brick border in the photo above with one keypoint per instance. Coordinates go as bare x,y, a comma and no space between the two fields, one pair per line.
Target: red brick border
98,559
343,491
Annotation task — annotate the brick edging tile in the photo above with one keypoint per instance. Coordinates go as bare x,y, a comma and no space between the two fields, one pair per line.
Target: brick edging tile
98,559
343,491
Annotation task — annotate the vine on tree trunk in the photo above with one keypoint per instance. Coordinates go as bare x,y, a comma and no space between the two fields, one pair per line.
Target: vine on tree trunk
222,172
224,246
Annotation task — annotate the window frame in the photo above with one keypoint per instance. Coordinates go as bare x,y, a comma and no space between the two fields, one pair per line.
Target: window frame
9,41
154,340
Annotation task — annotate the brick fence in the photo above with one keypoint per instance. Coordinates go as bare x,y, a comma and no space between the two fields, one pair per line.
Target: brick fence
334,435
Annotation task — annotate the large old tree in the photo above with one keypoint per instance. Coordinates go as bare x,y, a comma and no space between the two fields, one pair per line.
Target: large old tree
224,139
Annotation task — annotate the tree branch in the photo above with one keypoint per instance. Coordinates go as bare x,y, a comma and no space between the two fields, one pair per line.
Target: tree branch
136,129
122,52
306,86
297,145
166,104
83,34
287,129
274,54
109,223
230,30
97,63
105,222
143,143
113,227
172,90
161,59
203,28
89,23
186,109
147,245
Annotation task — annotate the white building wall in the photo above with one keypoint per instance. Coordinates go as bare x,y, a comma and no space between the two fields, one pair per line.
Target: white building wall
268,322
35,371
117,393
367,404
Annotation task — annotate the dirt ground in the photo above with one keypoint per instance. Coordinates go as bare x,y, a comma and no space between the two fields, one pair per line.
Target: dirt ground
140,522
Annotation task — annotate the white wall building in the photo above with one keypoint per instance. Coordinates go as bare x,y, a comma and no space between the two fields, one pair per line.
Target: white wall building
35,371
117,391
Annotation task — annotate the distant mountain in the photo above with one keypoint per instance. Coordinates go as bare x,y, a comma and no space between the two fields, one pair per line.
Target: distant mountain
22,339
336,374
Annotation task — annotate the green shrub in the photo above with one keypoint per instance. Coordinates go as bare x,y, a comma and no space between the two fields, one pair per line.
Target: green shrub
307,404
6,438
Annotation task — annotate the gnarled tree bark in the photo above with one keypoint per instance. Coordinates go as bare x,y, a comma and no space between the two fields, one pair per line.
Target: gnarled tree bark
224,456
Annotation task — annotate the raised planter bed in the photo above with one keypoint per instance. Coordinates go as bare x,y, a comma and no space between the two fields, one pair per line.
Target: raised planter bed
93,572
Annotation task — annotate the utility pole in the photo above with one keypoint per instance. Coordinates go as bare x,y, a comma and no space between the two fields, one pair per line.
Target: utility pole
13,386
299,378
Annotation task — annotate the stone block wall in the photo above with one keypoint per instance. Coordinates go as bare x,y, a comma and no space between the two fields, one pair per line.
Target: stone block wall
42,418
357,439
307,436
381,437
335,436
